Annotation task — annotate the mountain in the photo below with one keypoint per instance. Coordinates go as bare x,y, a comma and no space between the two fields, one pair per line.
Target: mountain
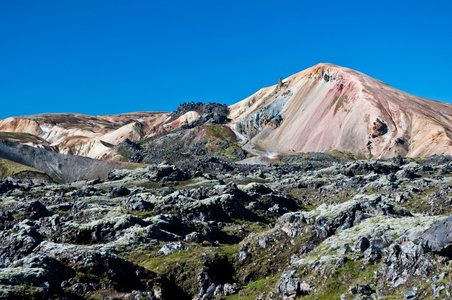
78,134
323,108
328,107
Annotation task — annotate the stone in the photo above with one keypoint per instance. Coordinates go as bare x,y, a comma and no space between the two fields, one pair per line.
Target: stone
438,238
242,254
119,192
137,203
344,249
172,247
194,237
364,289
411,294
36,210
372,254
305,288
361,244
288,284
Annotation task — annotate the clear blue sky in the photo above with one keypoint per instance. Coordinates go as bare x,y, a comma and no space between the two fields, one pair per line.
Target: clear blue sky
102,57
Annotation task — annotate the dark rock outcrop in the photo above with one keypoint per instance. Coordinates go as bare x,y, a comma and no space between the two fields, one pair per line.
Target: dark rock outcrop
438,238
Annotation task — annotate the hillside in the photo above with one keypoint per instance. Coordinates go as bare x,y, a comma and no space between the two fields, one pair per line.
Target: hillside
328,107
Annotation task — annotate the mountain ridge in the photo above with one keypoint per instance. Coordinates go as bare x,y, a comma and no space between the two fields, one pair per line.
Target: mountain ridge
323,108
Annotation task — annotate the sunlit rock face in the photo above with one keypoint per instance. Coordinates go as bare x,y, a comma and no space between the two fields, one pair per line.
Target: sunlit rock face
328,107
83,135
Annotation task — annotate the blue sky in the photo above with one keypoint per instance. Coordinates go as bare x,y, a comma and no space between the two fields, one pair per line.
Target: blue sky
103,57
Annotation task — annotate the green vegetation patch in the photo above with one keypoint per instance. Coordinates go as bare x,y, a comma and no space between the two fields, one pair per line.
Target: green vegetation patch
182,266
256,288
9,168
344,155
220,132
337,281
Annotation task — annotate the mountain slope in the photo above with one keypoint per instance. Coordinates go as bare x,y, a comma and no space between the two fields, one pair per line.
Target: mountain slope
62,168
77,134
328,107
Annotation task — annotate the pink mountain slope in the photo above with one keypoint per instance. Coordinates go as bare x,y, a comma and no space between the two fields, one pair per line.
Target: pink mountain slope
328,107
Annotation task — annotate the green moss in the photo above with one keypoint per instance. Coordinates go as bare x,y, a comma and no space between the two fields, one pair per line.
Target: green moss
338,280
255,288
220,132
229,249
55,178
9,168
144,184
142,214
344,155
228,152
132,166
181,267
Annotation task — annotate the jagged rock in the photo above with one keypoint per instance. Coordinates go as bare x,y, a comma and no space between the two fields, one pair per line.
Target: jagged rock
329,219
341,261
17,244
6,185
170,173
242,254
5,215
364,289
344,249
119,192
115,273
194,237
137,203
306,248
36,210
404,260
361,244
256,188
288,284
172,247
230,289
305,288
410,294
438,238
230,212
379,239
372,254
35,270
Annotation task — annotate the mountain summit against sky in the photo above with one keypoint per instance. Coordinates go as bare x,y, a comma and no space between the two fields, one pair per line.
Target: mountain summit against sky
323,108
328,107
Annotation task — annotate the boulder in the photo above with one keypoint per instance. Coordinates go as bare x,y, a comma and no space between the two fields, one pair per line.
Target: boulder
362,244
438,238
119,192
172,247
288,284
137,203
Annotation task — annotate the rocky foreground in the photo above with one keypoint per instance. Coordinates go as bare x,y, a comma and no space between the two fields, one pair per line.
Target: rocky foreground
309,226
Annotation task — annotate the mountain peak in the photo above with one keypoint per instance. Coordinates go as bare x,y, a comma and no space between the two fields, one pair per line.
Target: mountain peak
328,107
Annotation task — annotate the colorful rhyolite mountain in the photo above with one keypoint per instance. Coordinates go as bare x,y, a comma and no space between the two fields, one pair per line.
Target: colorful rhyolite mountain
323,108
328,107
